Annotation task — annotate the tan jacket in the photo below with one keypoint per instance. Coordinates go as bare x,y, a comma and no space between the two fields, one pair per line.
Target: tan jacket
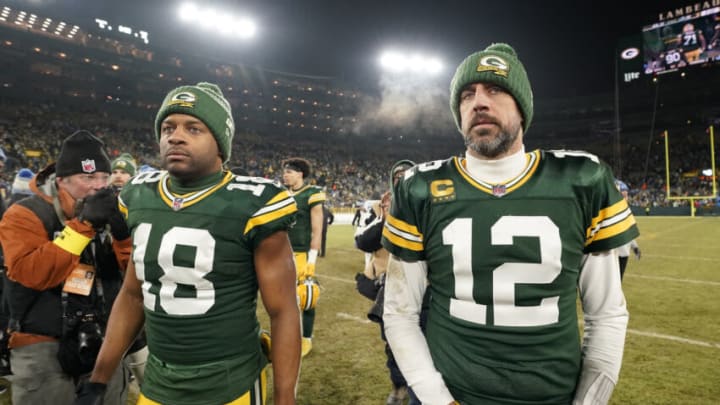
36,262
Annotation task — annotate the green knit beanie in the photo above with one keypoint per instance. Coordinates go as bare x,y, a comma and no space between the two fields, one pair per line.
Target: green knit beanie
497,64
206,102
125,162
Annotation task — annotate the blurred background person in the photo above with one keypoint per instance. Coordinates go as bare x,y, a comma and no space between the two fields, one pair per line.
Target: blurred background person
632,246
123,168
20,186
371,282
328,219
305,236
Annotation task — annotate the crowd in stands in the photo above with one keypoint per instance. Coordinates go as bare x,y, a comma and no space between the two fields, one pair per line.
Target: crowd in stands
352,169
644,169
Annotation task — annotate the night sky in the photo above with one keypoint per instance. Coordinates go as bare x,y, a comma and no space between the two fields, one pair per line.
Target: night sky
567,46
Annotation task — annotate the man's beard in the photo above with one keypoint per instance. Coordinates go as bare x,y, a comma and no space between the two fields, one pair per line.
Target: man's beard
493,147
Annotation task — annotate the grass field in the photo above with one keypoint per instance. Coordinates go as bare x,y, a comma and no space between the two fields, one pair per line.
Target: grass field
673,344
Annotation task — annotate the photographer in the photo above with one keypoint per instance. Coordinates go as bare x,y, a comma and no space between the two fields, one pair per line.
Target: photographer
64,270
371,282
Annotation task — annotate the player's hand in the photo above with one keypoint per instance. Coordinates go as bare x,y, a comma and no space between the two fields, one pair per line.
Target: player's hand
309,270
637,252
90,393
97,208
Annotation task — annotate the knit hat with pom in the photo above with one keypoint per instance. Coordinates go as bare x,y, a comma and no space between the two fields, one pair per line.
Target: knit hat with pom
497,64
206,102
21,185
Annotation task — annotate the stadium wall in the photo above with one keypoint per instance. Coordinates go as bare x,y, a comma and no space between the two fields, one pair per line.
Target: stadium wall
676,211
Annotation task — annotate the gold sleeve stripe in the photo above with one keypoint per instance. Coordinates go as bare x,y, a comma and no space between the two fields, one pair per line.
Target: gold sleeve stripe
613,230
122,207
317,198
619,208
271,213
401,242
271,206
404,235
403,226
279,196
71,241
591,232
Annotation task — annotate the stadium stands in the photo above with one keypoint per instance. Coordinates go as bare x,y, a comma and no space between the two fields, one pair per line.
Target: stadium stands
54,84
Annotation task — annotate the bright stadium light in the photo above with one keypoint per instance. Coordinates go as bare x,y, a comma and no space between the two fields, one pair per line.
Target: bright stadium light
188,11
245,28
391,61
416,63
221,22
434,65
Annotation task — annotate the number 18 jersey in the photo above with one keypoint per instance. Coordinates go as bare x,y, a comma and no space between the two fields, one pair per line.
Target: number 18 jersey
503,267
193,254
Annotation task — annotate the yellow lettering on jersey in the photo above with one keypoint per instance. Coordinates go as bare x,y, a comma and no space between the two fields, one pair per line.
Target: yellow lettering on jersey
442,190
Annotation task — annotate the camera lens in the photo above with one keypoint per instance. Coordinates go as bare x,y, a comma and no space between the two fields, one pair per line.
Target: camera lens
89,339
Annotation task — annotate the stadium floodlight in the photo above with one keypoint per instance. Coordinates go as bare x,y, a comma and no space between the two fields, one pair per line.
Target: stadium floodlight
222,22
415,63
188,12
245,28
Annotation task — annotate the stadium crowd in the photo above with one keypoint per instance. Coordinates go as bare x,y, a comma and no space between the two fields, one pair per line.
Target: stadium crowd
351,171
32,134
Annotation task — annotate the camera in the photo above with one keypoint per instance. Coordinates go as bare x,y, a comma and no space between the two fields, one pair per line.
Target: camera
80,342
89,335
90,338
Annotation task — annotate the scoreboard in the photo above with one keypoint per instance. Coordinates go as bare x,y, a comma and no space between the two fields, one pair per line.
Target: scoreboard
685,40
126,30
681,38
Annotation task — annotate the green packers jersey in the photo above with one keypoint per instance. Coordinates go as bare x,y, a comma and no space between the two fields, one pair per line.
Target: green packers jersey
193,255
301,233
503,267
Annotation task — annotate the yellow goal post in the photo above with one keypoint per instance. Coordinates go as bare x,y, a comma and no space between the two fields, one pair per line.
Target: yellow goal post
712,167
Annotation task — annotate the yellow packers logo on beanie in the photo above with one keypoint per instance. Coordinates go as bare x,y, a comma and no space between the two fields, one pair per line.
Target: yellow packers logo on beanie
493,64
184,99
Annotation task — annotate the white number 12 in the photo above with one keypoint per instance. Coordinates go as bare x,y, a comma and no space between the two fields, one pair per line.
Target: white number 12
458,234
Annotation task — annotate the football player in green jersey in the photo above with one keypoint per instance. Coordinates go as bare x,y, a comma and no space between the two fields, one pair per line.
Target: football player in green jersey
204,242
504,240
306,237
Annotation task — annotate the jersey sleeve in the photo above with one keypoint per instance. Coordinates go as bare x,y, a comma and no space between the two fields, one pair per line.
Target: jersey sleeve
274,210
612,222
136,189
402,235
317,197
